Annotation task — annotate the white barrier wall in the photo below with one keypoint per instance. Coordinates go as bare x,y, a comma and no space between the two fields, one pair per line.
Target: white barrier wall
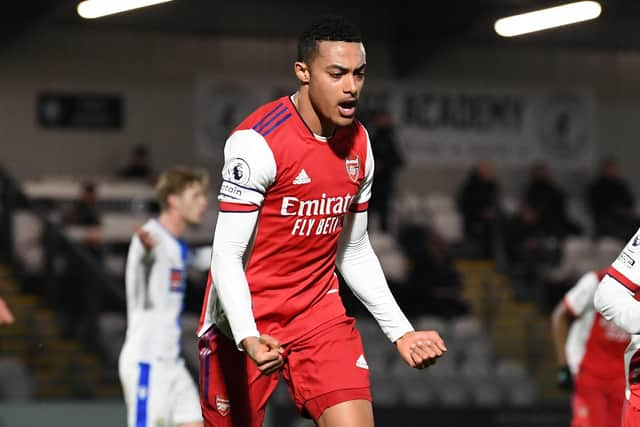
68,414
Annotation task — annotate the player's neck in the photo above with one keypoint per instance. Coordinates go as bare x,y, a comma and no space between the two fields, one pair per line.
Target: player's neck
173,222
303,104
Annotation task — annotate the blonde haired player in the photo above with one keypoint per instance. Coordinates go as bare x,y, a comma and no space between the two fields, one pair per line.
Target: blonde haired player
158,389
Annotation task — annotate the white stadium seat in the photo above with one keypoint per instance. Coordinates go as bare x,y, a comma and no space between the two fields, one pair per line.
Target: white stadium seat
429,322
465,327
578,256
439,202
448,225
486,395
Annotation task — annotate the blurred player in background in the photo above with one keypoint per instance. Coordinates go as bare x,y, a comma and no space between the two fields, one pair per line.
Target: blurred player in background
617,300
590,356
158,389
293,206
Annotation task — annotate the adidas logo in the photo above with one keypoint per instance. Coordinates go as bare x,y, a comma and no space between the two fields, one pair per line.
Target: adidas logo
362,362
302,178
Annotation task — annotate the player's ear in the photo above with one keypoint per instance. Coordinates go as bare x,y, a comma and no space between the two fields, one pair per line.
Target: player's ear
302,72
171,200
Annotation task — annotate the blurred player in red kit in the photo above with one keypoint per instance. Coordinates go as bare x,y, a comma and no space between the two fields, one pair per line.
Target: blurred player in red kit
617,299
590,355
293,206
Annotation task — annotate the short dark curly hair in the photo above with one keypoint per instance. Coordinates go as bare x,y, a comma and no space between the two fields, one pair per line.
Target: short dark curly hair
327,28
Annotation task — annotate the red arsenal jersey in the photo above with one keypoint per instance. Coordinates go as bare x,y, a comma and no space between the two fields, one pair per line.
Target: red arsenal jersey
302,185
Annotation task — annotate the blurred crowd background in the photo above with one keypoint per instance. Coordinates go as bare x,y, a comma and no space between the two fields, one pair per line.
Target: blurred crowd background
505,169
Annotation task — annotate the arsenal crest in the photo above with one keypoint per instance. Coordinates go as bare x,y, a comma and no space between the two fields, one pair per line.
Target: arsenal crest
353,168
223,405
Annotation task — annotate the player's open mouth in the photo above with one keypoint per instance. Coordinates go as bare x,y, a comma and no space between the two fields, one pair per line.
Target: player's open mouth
347,108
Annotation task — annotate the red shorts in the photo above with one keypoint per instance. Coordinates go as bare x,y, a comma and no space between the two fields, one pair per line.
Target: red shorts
631,415
322,369
597,403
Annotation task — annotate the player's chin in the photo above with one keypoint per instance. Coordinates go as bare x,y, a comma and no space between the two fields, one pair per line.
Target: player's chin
342,120
194,221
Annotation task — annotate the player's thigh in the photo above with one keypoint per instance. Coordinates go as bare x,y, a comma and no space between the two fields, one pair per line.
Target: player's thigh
353,413
589,406
186,402
233,393
146,391
327,369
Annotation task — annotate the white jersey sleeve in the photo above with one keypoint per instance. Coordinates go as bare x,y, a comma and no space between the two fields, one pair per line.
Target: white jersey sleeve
617,304
626,268
364,192
249,168
580,297
362,272
136,275
615,297
232,236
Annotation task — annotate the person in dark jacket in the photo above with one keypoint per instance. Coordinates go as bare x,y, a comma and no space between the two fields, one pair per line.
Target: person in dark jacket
549,202
611,202
478,202
388,160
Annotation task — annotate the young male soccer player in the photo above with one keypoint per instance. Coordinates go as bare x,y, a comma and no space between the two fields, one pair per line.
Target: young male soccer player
158,389
590,354
617,300
293,205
